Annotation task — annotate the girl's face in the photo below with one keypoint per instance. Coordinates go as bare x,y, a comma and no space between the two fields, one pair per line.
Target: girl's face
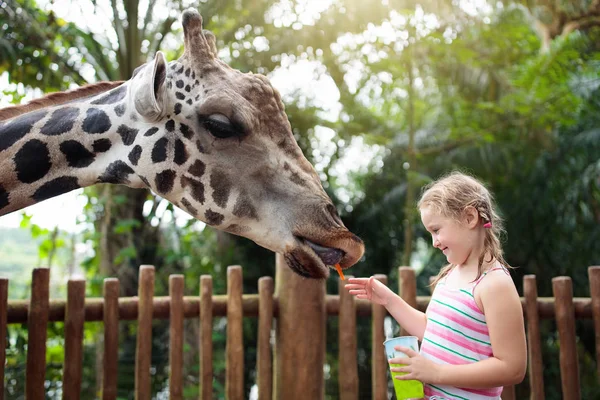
456,239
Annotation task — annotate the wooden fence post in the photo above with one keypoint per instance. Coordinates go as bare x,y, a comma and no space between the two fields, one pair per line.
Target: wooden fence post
234,348
3,322
176,288
348,352
534,346
205,337
74,320
143,351
37,325
111,338
407,288
379,364
562,288
300,343
264,357
594,276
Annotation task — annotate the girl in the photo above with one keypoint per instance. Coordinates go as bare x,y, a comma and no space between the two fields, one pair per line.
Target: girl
472,334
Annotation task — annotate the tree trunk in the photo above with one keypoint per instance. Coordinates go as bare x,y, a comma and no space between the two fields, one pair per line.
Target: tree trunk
409,206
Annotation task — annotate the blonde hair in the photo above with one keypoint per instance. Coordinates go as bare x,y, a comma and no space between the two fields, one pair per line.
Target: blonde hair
450,196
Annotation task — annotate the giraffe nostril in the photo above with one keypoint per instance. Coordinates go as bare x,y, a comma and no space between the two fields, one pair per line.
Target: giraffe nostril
331,210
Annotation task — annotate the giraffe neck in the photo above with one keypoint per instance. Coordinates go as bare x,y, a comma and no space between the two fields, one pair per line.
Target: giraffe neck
51,151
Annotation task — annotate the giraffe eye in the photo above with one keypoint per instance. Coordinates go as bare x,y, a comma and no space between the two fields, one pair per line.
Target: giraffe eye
220,127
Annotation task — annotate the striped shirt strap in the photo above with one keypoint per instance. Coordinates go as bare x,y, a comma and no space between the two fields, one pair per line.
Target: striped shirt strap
486,272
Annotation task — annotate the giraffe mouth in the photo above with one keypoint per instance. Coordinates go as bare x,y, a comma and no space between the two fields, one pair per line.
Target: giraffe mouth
312,260
329,255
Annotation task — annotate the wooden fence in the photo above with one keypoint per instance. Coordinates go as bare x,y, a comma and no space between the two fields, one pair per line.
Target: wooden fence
294,350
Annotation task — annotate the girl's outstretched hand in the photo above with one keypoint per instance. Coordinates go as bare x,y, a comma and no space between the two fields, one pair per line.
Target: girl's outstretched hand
369,289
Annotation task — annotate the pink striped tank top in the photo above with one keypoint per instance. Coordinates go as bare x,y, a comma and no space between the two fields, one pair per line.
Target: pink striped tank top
457,333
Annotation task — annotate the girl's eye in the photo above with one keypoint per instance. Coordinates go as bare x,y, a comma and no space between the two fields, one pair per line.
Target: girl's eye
220,127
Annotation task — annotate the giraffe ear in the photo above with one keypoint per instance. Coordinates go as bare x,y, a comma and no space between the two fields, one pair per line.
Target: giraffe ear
149,89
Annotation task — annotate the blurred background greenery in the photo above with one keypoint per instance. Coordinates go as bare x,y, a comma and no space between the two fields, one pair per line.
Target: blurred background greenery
383,96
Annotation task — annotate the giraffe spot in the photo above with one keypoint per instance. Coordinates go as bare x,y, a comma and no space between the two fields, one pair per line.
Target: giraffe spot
189,101
237,229
178,108
55,187
96,121
180,95
101,145
189,207
180,69
77,155
221,186
197,188
32,161
61,121
174,65
170,125
159,151
244,208
188,88
135,154
294,177
164,181
113,96
197,168
199,146
187,72
15,130
213,218
117,172
127,134
120,110
181,154
187,132
179,83
193,74
151,131
3,197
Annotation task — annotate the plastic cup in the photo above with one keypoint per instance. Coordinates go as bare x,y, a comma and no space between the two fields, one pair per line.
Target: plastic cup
411,389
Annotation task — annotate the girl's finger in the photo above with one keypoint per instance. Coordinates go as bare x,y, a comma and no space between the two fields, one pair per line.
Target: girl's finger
400,360
406,350
400,369
405,377
354,286
357,291
360,281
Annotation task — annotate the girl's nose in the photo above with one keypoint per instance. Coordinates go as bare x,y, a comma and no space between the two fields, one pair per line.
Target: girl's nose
436,243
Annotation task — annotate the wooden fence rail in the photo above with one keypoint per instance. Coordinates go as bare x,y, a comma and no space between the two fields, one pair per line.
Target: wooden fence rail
265,305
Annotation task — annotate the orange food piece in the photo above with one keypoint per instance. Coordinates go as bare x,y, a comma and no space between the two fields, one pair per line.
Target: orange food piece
339,270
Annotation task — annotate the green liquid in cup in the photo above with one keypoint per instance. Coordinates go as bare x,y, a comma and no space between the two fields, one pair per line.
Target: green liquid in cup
411,389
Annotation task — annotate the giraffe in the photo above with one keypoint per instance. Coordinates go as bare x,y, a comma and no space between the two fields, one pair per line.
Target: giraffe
212,140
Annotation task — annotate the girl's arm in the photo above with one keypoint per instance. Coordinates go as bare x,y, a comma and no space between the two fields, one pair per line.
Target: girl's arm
409,318
504,316
371,289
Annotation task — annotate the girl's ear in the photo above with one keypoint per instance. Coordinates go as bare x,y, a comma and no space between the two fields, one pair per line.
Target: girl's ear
471,217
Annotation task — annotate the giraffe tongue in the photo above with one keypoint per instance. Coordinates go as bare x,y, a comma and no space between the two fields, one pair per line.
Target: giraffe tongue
328,255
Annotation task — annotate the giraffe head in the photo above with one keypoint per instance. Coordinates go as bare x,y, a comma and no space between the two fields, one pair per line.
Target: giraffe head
235,163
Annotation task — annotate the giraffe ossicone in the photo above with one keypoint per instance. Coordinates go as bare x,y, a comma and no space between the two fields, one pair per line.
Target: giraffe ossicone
210,139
